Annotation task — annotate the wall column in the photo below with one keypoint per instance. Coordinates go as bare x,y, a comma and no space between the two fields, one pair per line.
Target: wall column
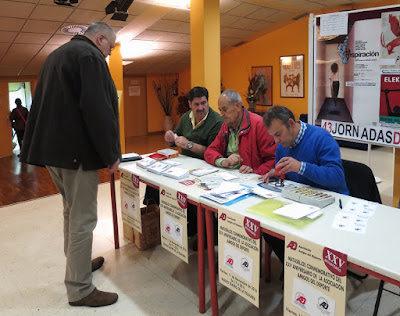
116,70
205,47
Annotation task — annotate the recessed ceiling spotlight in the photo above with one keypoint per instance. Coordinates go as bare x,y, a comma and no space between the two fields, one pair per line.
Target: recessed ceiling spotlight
74,29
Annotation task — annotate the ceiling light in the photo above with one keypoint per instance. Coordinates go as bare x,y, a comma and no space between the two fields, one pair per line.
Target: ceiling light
176,4
74,29
137,48
119,8
68,3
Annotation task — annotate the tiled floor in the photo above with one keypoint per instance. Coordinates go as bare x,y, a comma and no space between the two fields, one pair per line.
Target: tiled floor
152,282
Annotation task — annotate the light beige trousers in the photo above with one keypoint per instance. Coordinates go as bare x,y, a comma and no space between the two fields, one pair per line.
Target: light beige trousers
79,191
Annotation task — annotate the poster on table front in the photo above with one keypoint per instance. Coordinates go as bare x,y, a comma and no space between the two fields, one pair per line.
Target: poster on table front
130,200
239,254
173,222
315,279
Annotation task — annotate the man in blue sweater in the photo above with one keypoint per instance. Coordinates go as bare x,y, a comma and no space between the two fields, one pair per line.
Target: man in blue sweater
305,154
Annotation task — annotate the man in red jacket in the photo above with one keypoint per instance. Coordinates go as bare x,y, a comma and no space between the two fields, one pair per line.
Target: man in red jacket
242,142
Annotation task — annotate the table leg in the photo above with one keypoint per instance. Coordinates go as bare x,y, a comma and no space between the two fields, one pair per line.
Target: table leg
114,211
211,261
200,258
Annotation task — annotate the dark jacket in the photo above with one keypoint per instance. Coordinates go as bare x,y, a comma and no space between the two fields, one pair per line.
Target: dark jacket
74,115
256,146
18,118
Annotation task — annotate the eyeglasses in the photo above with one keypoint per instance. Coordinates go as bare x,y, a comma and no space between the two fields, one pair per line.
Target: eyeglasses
111,46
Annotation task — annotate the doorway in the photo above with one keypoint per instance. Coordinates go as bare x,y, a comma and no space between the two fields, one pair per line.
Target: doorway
22,91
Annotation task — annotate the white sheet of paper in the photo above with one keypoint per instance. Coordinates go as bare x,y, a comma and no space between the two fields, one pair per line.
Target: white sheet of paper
227,176
265,193
226,188
296,210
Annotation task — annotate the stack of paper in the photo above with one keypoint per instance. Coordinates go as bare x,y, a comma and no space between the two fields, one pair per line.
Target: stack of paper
227,176
226,192
211,182
158,167
146,162
176,173
203,171
265,193
130,157
168,152
172,162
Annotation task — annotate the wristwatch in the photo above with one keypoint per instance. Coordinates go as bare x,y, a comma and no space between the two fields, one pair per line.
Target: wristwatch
190,145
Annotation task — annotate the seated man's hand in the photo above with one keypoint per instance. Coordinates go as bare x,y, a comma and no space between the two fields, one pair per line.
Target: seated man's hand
181,141
246,169
169,137
232,160
270,174
288,164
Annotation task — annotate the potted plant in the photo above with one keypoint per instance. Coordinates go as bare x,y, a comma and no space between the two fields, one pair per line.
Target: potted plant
164,89
258,86
183,105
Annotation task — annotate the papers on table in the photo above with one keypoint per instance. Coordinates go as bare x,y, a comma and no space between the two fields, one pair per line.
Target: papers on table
203,171
158,167
296,210
172,162
211,182
146,162
265,193
130,157
176,173
227,176
226,192
168,152
354,216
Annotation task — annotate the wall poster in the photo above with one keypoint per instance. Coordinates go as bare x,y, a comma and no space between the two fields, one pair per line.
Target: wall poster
292,76
357,74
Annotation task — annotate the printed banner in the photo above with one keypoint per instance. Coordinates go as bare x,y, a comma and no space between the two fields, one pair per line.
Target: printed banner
372,134
315,279
173,222
130,200
239,254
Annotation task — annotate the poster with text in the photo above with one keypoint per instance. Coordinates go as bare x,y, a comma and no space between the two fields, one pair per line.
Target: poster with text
347,72
239,254
173,222
315,279
130,200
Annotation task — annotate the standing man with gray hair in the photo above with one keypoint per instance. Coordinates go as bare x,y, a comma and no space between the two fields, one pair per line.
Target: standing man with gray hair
73,130
242,142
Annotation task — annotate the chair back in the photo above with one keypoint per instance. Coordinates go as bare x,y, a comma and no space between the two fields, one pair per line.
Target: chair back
360,181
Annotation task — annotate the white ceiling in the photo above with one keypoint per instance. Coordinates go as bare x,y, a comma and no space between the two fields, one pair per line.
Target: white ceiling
31,29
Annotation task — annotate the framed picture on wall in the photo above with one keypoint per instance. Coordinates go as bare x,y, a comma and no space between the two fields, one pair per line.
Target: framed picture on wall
292,76
262,76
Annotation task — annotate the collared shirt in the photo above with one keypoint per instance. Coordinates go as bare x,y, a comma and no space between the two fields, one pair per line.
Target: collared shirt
300,135
233,146
193,120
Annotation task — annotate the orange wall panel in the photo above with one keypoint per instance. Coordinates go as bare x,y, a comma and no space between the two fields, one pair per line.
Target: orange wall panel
265,51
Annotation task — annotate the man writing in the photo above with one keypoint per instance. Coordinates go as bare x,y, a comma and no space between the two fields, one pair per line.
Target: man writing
306,154
73,130
242,143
